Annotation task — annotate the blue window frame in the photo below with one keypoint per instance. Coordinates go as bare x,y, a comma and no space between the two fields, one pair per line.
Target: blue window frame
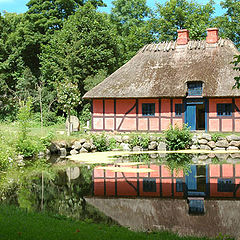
195,89
224,109
178,110
148,109
225,185
149,185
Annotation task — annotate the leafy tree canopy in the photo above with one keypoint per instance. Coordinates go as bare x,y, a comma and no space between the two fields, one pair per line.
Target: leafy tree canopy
86,44
229,23
132,18
181,14
48,15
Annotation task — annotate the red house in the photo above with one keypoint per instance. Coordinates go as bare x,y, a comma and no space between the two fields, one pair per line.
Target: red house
170,83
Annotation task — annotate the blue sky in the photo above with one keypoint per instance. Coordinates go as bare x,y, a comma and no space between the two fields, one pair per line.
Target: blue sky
19,6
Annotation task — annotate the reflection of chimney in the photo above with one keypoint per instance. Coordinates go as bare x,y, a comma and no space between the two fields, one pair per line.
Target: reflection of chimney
212,35
183,37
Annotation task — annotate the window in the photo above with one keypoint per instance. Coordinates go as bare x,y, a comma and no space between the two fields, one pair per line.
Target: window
148,109
149,184
225,185
178,110
195,89
224,109
179,185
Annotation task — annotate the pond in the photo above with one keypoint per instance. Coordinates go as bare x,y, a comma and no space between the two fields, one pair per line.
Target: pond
192,194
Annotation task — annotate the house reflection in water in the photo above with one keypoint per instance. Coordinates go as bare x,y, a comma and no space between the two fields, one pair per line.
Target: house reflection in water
200,182
208,181
202,202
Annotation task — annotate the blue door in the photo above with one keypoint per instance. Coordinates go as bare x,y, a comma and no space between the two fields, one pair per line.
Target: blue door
191,116
191,179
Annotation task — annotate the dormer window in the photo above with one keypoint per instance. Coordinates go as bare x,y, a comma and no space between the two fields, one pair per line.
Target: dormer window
194,88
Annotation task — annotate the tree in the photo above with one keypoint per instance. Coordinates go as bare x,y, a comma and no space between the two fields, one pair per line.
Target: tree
86,44
236,62
229,23
181,14
19,63
132,18
69,97
92,81
48,15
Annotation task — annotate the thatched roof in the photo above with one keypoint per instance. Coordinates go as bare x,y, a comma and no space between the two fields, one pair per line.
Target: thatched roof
163,70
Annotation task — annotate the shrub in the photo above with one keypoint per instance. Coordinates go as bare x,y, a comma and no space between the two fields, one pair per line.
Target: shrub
29,147
216,136
177,138
26,145
103,144
85,114
141,141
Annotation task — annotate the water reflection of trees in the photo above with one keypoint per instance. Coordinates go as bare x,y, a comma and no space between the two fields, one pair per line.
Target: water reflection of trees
174,161
51,190
178,161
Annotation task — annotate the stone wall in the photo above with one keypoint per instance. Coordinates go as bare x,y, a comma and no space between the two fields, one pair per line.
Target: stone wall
202,141
209,142
86,145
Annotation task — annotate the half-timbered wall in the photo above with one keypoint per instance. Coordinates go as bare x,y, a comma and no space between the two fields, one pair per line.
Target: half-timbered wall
126,115
223,123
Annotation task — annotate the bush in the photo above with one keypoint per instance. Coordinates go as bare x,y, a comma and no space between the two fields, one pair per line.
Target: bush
141,141
29,147
26,145
103,144
216,136
177,138
85,114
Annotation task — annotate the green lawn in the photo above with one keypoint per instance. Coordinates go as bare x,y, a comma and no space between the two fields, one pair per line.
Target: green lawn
18,224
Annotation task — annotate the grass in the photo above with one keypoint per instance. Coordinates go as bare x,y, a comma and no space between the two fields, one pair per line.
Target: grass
35,130
18,224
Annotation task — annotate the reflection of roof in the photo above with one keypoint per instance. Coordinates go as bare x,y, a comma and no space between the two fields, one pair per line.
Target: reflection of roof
162,70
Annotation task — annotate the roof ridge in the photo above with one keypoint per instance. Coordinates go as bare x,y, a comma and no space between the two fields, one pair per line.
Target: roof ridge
192,44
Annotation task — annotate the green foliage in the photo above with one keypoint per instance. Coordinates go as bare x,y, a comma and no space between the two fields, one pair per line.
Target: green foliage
7,153
85,114
179,161
224,237
216,136
133,24
68,95
23,118
174,15
177,138
236,63
103,144
92,81
141,141
46,141
85,45
228,23
26,145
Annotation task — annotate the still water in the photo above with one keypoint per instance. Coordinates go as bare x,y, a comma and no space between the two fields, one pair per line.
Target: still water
188,194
